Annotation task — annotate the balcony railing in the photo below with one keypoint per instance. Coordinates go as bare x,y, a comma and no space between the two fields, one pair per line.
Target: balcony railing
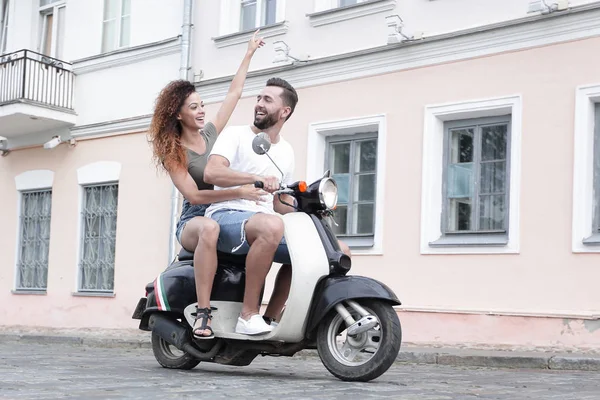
36,78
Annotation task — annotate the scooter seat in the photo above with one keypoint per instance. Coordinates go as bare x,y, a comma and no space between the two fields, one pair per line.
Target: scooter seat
224,258
185,255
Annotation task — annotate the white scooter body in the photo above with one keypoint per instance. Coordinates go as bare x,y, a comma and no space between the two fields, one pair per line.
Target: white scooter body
309,266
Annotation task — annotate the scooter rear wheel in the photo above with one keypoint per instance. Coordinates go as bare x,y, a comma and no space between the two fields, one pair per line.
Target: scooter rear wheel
365,356
169,356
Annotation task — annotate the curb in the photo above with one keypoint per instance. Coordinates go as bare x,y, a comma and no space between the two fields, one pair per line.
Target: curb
501,359
77,341
408,355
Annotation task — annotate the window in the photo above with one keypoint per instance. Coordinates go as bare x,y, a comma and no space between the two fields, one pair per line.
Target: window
344,3
52,34
3,25
475,182
353,150
34,240
596,199
116,24
353,163
239,19
586,171
471,177
257,13
99,226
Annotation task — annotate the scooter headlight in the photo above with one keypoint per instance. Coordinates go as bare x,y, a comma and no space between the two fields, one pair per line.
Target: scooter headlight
328,193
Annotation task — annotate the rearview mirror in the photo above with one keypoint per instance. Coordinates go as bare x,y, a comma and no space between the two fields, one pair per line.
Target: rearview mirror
261,143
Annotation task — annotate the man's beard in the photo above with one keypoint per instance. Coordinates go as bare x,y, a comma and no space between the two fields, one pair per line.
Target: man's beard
268,121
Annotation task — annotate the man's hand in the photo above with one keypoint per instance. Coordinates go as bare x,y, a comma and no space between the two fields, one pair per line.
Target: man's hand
270,183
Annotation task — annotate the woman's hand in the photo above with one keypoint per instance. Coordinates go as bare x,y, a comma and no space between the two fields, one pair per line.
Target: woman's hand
255,42
249,192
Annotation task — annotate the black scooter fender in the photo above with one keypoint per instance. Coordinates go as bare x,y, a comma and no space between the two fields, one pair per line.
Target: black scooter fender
332,290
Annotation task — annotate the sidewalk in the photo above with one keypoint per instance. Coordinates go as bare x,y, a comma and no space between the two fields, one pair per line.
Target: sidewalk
463,357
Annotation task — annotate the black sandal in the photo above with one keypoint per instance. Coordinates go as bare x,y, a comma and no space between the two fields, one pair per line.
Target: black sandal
204,313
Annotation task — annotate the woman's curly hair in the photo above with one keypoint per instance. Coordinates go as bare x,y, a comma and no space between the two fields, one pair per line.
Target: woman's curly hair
165,129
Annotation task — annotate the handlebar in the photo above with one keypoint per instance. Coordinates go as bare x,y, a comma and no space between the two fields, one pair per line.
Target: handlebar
284,189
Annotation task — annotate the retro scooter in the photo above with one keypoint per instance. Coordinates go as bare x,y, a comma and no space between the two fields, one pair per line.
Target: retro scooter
349,320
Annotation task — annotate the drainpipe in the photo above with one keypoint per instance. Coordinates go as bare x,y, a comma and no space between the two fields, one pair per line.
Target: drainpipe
185,39
184,67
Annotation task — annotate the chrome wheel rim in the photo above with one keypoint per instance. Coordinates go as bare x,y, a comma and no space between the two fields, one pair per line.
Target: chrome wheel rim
353,351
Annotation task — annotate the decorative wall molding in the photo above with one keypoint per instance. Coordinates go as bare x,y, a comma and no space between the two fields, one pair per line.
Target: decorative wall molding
127,55
279,28
99,172
34,179
116,127
530,32
357,10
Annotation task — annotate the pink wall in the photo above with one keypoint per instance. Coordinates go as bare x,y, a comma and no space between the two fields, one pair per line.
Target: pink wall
142,232
546,275
545,278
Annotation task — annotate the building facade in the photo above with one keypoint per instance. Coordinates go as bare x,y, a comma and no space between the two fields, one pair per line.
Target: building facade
463,137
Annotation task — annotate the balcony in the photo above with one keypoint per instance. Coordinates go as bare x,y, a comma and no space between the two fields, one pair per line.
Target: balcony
36,95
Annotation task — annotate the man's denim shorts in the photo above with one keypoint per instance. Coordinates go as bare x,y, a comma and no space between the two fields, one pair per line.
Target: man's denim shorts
232,236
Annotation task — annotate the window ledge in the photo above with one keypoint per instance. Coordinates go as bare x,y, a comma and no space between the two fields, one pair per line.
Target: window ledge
358,242
593,240
40,292
471,240
232,39
93,294
127,55
339,14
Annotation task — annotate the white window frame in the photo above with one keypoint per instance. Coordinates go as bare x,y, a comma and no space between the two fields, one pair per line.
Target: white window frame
40,179
231,12
317,143
52,8
260,14
323,5
583,168
117,45
97,173
432,171
4,18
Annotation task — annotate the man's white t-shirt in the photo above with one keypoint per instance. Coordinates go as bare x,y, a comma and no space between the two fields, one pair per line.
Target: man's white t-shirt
235,144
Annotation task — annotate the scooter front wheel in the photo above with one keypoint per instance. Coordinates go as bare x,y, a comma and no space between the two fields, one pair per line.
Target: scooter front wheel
169,356
360,356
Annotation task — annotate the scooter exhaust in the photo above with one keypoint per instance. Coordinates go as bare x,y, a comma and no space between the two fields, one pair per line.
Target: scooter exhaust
178,336
170,331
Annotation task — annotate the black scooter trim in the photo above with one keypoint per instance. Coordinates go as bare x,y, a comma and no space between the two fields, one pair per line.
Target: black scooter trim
332,290
339,263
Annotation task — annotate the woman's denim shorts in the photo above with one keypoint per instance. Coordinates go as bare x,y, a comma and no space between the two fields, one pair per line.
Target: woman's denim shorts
189,211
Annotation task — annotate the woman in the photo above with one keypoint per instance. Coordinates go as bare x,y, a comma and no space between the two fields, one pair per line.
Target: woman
181,143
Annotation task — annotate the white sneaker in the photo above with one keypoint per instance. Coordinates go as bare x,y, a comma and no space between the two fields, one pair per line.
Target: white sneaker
256,325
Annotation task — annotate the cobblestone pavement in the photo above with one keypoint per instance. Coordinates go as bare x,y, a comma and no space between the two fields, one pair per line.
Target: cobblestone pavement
56,371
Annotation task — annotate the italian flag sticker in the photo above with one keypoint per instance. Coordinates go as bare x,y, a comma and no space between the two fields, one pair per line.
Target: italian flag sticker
161,296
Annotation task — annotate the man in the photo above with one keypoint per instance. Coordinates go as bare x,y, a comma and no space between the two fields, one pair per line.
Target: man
255,228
